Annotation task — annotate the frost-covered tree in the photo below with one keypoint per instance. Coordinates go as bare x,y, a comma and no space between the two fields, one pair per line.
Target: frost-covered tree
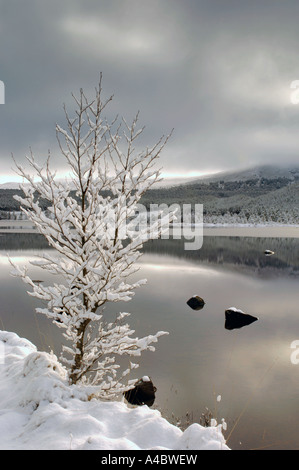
91,225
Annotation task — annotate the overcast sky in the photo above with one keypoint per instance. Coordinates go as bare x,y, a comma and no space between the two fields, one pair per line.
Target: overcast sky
217,71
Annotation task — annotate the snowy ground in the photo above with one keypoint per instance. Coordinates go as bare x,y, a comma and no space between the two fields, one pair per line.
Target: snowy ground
40,411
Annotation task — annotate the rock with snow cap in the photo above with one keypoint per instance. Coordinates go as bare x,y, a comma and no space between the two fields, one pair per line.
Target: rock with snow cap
235,319
143,393
269,252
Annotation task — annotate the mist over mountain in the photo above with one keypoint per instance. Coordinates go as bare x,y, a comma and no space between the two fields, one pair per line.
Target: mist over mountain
271,172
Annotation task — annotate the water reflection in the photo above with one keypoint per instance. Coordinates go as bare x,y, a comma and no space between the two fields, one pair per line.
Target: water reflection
249,367
246,254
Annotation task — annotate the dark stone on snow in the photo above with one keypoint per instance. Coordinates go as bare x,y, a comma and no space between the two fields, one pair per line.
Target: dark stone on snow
235,319
142,394
196,302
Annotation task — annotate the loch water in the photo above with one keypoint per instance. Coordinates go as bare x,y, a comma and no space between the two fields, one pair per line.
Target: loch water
246,376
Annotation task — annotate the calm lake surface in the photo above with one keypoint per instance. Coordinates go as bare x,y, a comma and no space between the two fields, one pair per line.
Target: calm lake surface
250,368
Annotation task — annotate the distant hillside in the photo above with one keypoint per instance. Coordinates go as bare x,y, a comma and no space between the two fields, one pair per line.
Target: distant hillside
269,172
264,194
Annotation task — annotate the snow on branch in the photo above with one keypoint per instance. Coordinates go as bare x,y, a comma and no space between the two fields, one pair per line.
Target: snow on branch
89,222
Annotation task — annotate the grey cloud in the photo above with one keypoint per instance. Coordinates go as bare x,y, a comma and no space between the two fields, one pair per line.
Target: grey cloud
218,71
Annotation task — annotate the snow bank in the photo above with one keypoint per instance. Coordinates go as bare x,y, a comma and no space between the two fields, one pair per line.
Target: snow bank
40,411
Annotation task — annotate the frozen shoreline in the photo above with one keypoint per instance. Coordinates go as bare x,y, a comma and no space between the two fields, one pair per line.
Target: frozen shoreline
267,231
230,230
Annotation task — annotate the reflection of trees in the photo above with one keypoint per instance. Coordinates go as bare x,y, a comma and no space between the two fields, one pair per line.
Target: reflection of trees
22,241
245,252
235,251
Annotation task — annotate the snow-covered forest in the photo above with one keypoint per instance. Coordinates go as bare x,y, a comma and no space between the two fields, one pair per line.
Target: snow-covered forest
254,199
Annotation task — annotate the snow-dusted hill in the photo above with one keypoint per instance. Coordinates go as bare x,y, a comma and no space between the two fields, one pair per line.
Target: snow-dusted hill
10,185
261,195
264,171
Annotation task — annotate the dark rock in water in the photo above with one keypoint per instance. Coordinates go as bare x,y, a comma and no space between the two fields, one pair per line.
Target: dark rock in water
196,302
142,394
235,318
269,252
